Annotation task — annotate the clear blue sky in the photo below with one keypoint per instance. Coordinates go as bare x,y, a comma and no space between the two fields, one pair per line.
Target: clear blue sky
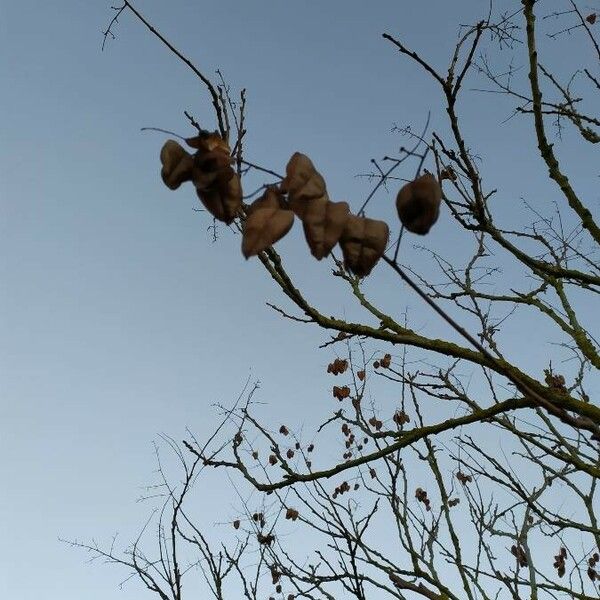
119,319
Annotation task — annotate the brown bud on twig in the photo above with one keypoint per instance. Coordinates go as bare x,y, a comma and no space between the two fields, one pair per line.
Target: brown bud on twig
418,204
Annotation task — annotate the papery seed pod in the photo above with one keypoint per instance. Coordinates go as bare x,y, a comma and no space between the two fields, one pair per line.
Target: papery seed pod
217,184
323,223
418,203
291,513
266,223
302,182
177,164
363,243
323,220
272,198
223,198
207,141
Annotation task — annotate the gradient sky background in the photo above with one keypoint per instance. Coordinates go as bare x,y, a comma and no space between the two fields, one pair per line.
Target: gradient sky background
119,319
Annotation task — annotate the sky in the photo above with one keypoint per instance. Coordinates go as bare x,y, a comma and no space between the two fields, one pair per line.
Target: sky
120,319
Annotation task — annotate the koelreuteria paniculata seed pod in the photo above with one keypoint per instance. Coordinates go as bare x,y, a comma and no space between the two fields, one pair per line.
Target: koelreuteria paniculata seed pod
177,164
266,223
418,204
323,220
363,243
217,184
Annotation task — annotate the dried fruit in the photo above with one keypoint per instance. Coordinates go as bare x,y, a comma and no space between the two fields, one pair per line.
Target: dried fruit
337,366
363,243
341,392
266,223
217,184
400,418
236,524
302,182
591,18
464,479
291,514
447,173
385,361
418,203
421,496
323,225
323,220
223,199
519,554
177,164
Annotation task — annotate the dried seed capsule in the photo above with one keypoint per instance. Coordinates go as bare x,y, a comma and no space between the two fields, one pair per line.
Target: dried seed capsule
177,164
418,204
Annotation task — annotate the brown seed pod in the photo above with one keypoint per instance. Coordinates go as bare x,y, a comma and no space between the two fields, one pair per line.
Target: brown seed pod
302,183
223,200
363,243
206,141
418,204
217,184
177,164
323,220
291,513
265,224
